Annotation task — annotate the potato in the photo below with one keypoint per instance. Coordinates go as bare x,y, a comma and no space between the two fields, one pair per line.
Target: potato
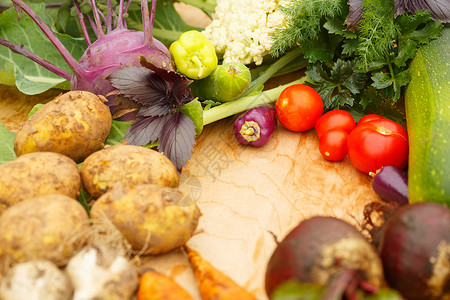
48,227
153,218
75,124
128,164
36,174
36,279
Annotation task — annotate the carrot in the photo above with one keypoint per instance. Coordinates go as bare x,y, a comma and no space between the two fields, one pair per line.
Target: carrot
156,286
212,283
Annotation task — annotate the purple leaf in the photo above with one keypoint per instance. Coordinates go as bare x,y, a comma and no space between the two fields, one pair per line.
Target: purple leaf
439,9
167,75
140,84
177,139
354,14
155,110
180,93
145,130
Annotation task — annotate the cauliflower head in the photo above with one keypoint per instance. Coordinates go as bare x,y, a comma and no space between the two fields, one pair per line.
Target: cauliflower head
241,29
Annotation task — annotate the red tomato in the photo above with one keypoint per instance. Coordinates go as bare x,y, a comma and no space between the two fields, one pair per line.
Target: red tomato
335,119
298,107
333,144
368,118
378,143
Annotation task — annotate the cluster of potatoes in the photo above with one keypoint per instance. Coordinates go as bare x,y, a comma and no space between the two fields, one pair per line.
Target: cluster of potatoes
133,188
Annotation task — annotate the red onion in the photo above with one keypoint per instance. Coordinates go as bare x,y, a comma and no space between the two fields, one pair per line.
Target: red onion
391,184
256,126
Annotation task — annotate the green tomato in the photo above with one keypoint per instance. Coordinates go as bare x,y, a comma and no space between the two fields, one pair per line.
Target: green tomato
225,84
194,55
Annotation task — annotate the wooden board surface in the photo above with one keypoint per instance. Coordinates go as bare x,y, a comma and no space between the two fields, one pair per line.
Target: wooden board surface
248,196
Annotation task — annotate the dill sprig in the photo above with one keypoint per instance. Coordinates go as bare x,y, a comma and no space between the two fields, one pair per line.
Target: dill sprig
377,31
304,22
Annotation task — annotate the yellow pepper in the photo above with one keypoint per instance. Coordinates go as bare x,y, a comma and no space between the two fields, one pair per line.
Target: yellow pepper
194,55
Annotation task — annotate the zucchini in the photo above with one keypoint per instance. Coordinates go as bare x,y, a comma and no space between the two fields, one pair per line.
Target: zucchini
427,105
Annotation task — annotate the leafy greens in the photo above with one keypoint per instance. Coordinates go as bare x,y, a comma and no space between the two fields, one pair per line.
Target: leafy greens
358,50
30,78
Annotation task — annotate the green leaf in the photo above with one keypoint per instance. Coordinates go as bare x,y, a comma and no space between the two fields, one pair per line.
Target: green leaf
337,26
350,46
117,133
385,294
168,24
84,198
7,145
338,84
194,110
34,109
31,78
382,80
415,29
292,290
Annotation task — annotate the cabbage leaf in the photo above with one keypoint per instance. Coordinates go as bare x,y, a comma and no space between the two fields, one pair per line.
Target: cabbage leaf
7,145
30,78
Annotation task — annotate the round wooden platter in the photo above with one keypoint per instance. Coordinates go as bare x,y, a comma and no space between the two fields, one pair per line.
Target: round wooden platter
249,197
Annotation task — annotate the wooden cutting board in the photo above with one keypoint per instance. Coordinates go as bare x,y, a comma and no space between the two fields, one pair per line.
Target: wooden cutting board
248,196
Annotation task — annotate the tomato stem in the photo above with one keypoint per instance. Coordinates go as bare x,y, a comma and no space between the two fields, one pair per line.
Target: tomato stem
384,131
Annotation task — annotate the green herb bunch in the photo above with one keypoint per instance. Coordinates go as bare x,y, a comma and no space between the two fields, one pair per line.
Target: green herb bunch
358,50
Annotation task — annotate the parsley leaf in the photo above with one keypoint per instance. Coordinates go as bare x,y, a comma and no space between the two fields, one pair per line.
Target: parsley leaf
337,85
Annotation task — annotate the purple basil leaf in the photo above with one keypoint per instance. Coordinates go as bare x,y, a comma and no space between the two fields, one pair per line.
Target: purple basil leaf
140,84
155,110
354,14
177,139
145,130
167,75
439,9
180,93
399,6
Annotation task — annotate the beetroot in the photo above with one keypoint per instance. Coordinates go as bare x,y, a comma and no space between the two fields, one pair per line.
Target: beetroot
321,250
415,251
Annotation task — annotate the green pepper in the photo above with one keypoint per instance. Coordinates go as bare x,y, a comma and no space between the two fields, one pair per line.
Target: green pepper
194,55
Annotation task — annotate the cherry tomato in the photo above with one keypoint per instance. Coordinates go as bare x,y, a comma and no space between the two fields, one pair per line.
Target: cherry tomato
335,119
368,118
298,107
333,144
378,143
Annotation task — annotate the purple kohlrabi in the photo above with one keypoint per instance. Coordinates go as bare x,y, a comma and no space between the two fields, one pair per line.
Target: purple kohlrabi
113,50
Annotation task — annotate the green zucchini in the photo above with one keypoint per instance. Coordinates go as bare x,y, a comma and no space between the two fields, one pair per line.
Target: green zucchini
427,105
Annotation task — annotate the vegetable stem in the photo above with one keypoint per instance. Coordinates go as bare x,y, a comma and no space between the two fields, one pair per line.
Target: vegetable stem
120,20
148,18
73,64
82,23
20,50
98,23
245,103
205,5
273,69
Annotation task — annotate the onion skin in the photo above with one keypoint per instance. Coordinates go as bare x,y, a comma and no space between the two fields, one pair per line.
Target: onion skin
391,184
256,126
415,251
